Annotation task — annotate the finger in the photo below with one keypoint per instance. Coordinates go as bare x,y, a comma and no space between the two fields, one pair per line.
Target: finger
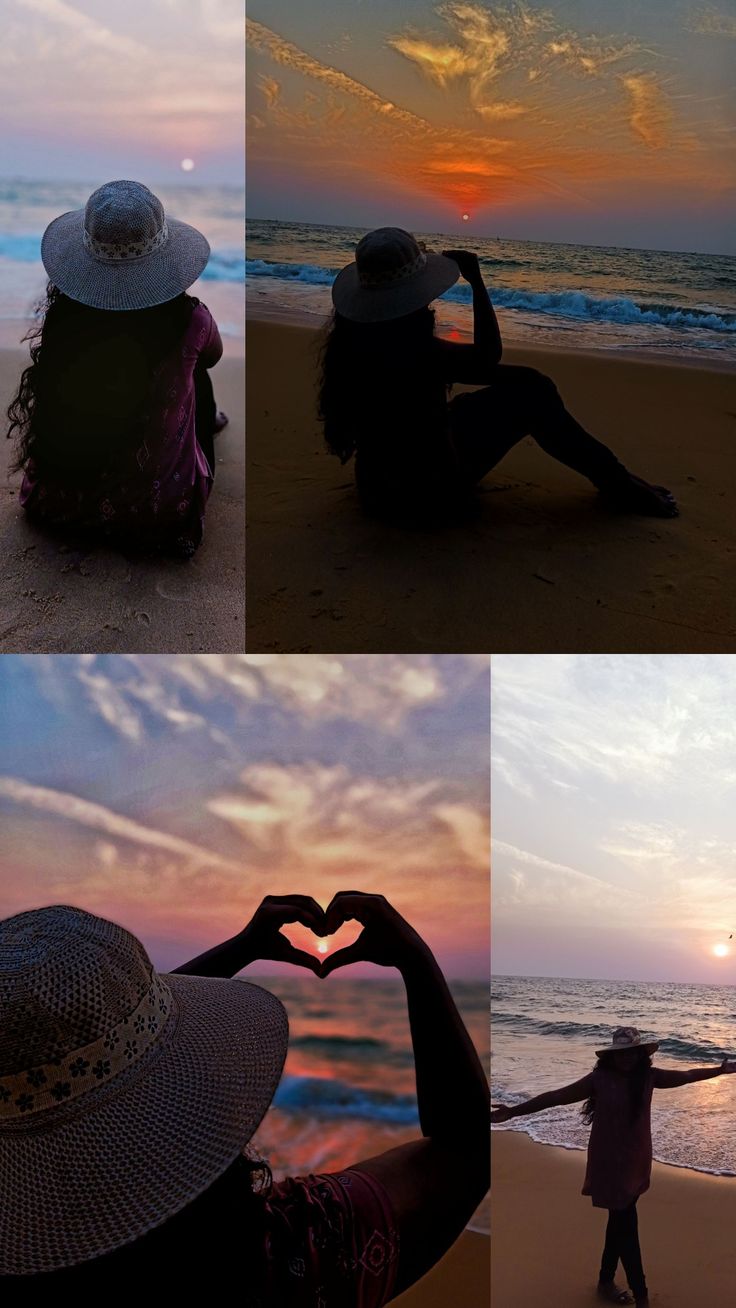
286,953
297,908
351,954
347,904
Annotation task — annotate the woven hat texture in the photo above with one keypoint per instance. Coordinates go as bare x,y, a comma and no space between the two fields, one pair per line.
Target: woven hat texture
124,1093
122,251
390,277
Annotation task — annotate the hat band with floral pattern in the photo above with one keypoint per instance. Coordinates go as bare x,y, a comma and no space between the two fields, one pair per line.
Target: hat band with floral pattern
126,249
71,1075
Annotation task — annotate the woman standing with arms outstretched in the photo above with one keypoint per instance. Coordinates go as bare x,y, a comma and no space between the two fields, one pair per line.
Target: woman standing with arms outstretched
618,1095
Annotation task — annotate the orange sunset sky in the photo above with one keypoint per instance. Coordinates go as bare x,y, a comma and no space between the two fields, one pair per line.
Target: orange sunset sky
577,120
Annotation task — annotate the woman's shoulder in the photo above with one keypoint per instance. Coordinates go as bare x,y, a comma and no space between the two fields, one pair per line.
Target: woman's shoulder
200,313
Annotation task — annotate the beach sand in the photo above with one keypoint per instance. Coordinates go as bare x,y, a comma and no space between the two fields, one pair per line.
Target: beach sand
541,568
60,597
459,1280
547,1237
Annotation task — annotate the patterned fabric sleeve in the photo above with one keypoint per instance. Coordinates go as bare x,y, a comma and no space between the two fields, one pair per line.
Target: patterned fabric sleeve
330,1242
208,342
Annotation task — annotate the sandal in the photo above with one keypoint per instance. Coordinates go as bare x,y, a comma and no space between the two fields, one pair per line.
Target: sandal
613,1293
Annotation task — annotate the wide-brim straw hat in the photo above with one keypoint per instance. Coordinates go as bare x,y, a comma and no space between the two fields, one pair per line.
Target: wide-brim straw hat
121,251
390,277
628,1037
124,1093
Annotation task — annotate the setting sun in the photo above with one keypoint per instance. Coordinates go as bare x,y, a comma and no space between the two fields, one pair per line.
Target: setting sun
720,951
322,947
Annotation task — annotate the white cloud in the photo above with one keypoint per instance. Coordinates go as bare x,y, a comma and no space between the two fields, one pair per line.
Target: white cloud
71,808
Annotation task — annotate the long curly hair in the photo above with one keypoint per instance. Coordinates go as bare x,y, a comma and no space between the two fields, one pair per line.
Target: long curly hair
369,369
81,402
636,1080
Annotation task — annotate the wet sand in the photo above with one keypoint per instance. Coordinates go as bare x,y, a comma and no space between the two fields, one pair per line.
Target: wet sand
58,596
542,567
547,1237
459,1280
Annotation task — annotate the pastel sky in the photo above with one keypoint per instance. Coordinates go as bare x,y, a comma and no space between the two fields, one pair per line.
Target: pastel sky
614,824
171,793
99,88
577,120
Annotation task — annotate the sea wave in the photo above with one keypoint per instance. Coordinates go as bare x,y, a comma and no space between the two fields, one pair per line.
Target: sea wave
324,1097
674,1046
564,304
227,265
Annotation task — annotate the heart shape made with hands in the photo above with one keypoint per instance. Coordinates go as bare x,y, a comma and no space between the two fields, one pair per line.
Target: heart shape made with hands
301,937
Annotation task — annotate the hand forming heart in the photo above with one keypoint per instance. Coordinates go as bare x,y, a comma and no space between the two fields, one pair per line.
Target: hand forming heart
385,937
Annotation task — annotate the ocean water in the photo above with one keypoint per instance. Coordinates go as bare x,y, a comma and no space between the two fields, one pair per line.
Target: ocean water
545,1032
26,209
573,296
348,1090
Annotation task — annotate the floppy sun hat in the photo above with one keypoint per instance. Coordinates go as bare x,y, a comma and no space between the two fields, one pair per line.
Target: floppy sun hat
124,1093
390,277
627,1037
121,251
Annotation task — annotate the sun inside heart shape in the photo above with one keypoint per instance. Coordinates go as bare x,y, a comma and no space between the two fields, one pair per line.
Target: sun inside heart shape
321,947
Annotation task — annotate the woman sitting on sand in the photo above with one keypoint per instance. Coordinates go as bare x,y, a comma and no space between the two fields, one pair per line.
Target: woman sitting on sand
128,1098
618,1095
385,379
115,416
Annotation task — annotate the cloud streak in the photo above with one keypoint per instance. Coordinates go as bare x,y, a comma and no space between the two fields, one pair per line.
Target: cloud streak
72,808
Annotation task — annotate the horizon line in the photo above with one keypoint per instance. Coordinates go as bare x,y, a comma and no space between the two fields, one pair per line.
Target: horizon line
612,980
519,240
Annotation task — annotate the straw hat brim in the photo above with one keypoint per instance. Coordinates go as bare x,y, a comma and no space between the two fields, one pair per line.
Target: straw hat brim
124,283
648,1045
396,299
87,1177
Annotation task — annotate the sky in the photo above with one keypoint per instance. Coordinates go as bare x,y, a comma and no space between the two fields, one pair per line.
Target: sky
97,88
172,793
583,121
614,824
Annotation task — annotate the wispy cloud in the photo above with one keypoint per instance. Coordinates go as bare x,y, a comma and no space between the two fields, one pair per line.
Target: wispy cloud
709,21
329,818
86,29
651,115
71,808
290,56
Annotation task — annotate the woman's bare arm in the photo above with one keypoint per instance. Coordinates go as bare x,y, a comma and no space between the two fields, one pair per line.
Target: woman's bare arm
567,1094
261,938
668,1079
436,1183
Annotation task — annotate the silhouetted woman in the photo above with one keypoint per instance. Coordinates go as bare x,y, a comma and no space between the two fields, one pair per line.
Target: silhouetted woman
128,1099
618,1095
115,416
385,383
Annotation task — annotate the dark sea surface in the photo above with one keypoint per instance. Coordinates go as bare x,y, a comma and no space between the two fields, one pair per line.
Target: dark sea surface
573,296
545,1032
348,1089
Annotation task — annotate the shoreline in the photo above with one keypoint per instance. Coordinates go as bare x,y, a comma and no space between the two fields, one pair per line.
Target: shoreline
325,577
547,1233
265,312
581,1149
